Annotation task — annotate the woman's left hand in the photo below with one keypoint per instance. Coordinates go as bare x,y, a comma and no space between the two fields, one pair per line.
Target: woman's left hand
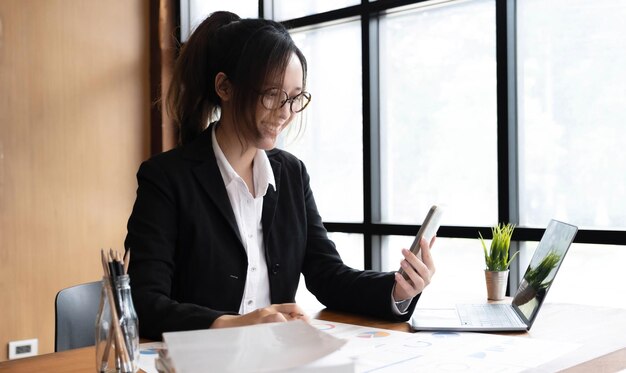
419,272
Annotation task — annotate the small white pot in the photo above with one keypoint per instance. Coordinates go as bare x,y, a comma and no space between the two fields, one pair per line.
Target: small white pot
496,284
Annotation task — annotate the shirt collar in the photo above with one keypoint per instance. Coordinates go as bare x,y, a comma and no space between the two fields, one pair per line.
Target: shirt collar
262,173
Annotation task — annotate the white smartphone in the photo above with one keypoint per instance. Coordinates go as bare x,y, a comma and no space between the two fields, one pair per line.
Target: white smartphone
427,230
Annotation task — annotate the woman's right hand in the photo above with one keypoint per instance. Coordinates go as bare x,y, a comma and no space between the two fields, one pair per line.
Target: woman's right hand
274,313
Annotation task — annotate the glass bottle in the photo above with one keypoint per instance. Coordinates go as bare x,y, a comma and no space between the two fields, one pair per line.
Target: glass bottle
117,353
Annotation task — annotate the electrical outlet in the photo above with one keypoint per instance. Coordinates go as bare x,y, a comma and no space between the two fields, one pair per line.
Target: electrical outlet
25,348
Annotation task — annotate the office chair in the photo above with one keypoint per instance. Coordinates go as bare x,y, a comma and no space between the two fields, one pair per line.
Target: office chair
75,311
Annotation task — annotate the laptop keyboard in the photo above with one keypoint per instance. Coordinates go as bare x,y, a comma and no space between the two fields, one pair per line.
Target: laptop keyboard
488,315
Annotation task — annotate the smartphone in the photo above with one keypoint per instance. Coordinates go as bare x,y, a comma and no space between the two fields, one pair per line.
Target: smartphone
427,230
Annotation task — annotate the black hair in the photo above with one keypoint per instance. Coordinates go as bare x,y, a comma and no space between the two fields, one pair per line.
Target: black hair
250,52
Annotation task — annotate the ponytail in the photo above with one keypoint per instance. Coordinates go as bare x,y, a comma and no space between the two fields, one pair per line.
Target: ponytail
191,97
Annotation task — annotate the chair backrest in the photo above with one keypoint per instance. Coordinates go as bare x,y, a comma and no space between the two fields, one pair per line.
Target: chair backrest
75,310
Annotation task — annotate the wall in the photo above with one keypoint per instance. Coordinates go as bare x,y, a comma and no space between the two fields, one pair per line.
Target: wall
74,117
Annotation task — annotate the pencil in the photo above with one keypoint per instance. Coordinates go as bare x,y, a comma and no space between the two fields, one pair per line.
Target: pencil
121,349
107,348
120,342
105,263
126,260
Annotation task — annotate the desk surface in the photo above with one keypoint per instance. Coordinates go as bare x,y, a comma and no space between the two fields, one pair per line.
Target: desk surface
600,331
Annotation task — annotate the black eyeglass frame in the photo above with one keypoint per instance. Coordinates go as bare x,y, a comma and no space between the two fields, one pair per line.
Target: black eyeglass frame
291,100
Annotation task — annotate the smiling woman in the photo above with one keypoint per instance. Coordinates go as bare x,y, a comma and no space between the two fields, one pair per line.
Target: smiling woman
225,224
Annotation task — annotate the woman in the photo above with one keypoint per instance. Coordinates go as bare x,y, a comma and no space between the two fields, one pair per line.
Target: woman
224,225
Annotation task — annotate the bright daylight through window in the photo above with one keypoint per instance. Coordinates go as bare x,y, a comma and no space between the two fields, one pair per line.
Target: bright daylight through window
407,111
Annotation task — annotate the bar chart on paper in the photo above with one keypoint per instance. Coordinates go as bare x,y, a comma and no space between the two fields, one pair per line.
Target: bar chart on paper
383,351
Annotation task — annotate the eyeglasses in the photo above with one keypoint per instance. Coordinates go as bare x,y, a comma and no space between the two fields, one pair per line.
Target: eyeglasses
275,98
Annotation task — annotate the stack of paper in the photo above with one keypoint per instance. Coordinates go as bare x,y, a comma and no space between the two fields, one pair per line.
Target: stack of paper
276,347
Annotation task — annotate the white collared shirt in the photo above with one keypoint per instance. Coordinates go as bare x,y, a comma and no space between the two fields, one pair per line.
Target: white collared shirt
248,210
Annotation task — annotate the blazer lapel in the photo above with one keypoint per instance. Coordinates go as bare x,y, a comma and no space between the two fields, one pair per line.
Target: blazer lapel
270,201
209,176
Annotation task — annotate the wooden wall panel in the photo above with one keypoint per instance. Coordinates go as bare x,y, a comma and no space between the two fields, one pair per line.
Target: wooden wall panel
74,122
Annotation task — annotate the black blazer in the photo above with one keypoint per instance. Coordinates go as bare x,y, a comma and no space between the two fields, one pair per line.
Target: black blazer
188,264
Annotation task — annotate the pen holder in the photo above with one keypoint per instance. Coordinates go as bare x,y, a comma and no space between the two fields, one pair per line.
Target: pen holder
117,329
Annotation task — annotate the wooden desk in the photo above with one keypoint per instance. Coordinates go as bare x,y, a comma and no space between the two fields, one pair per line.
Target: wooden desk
80,360
600,331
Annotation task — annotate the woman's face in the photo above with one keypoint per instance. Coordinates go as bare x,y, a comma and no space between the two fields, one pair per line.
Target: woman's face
270,123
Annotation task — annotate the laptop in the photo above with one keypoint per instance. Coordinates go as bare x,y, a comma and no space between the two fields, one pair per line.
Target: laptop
518,315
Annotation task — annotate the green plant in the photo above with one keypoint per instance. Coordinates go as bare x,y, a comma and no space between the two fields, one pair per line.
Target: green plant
537,275
497,257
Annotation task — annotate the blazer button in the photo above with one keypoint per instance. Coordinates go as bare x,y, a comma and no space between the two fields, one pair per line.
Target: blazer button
275,269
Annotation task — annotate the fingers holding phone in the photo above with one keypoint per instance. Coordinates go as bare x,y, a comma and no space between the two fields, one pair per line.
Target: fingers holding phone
416,272
427,231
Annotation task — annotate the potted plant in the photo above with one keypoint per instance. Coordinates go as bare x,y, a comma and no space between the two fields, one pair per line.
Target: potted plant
497,260
534,282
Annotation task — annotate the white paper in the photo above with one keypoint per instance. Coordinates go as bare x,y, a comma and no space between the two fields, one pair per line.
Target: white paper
255,348
381,350
148,353
333,363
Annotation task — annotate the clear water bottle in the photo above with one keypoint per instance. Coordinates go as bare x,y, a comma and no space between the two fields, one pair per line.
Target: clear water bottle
117,344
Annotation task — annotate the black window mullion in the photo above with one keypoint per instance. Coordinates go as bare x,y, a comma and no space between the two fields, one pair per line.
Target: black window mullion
503,110
369,256
508,196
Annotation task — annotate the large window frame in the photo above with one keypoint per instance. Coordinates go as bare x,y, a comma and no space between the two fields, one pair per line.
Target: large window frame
508,195
507,133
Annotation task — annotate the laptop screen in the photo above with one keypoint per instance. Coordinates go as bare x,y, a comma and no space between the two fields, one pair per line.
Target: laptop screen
542,268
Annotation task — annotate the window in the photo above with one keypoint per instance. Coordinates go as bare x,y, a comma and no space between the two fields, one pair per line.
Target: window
333,120
459,267
501,110
193,12
289,9
571,128
438,113
571,112
590,274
